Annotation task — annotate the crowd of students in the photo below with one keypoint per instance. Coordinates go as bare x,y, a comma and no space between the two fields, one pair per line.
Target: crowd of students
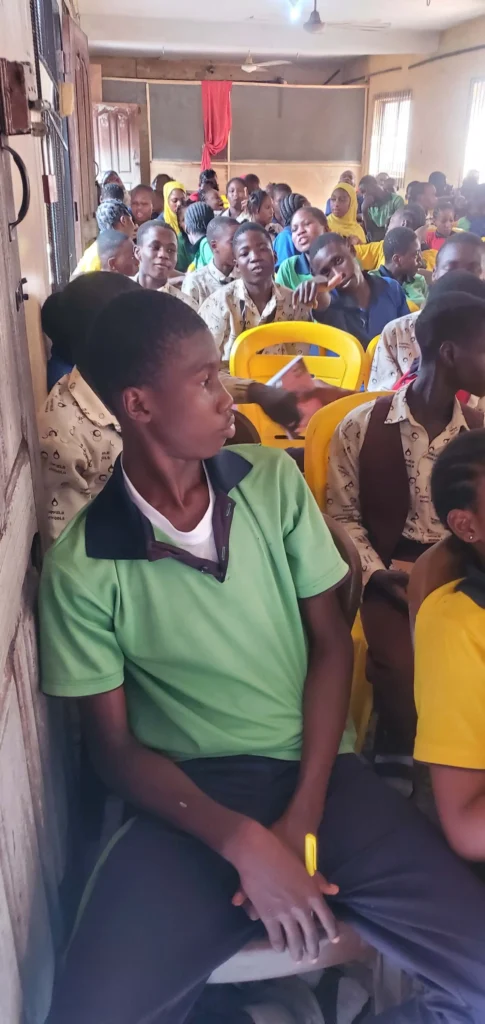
190,602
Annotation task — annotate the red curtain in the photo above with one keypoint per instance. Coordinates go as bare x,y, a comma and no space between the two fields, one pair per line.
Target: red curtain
216,112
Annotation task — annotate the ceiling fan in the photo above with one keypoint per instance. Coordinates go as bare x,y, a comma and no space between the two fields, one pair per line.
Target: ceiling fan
250,65
315,23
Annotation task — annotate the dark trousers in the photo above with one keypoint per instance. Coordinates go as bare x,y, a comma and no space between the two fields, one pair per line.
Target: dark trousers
390,671
159,918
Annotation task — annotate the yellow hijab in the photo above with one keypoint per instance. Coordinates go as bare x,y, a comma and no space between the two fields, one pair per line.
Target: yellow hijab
347,225
169,216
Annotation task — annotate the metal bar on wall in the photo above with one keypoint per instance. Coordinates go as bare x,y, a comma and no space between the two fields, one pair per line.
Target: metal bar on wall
149,119
263,85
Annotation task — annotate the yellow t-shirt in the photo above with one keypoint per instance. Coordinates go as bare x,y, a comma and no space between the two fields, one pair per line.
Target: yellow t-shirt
429,257
90,261
371,255
449,680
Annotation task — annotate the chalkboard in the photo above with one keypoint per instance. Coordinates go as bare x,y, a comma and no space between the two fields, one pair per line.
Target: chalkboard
124,92
176,122
272,123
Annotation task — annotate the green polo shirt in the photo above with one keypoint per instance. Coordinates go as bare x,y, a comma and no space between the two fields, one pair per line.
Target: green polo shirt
213,656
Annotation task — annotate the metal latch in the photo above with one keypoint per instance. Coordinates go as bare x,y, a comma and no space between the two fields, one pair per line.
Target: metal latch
17,90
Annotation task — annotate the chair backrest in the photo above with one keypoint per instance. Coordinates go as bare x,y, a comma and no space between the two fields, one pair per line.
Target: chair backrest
320,431
369,355
349,594
413,306
441,564
346,369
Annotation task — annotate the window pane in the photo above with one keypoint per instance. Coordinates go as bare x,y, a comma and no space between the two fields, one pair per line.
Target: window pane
475,146
390,135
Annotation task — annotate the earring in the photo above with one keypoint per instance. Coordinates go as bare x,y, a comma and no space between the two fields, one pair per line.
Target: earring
471,537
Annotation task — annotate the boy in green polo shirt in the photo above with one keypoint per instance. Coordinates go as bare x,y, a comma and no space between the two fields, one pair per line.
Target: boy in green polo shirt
191,610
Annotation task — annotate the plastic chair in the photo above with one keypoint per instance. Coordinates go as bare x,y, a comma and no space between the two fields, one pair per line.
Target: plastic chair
258,961
320,431
369,354
346,370
413,306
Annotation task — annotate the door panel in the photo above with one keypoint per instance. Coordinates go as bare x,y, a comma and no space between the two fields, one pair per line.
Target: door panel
32,777
117,140
81,146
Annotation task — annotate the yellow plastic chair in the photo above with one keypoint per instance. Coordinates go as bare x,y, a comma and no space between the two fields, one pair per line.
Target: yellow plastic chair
429,258
320,431
346,370
369,355
413,306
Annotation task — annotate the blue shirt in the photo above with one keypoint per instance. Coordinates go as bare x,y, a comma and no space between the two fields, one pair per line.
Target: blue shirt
387,302
283,246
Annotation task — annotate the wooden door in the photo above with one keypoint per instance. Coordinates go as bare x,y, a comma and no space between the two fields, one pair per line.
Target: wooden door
81,145
117,140
32,779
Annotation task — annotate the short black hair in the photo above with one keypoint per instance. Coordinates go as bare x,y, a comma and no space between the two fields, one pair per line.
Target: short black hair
251,181
456,473
207,177
132,338
109,214
455,317
317,213
458,281
415,189
443,204
281,186
416,214
290,204
67,316
236,178
112,191
219,225
148,225
368,179
398,242
141,188
460,238
256,200
330,238
109,242
250,225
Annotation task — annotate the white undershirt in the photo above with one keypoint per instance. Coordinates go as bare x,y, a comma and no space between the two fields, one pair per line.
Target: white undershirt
199,542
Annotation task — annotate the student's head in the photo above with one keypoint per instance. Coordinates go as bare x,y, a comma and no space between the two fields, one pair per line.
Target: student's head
307,224
444,217
331,253
458,488
156,252
260,207
173,194
463,251
438,179
348,177
208,177
342,199
67,316
401,253
476,202
236,194
113,214
220,234
112,191
180,215
116,253
197,219
111,177
152,360
212,197
142,203
370,189
471,178
280,191
423,193
253,253
450,332
382,179
289,205
411,216
159,182
252,183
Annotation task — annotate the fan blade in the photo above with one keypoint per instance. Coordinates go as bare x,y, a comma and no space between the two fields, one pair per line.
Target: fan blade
249,68
273,63
362,26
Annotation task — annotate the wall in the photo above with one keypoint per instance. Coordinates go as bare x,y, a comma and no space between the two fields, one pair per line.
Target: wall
441,95
16,44
315,72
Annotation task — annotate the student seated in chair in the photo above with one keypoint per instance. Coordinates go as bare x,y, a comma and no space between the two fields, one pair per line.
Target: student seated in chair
220,271
198,216
371,255
142,204
450,653
379,470
378,207
193,613
110,215
355,302
307,224
402,261
116,253
397,347
156,251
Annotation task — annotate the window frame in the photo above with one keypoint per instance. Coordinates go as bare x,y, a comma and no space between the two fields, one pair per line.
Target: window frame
469,164
393,167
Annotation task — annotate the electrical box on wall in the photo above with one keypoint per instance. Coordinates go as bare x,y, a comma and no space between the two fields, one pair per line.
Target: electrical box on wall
18,89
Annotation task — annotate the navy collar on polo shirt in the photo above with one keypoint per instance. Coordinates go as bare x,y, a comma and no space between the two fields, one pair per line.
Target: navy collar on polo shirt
115,529
302,264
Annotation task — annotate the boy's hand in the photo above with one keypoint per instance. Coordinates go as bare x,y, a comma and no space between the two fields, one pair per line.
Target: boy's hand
276,888
392,582
281,406
308,292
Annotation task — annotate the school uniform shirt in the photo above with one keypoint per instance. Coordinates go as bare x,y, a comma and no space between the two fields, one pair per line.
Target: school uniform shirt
371,255
294,270
241,218
204,282
176,293
415,290
381,215
284,246
449,675
115,591
89,262
231,310
422,523
395,353
387,302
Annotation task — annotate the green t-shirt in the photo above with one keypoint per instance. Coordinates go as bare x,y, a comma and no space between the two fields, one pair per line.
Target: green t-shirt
416,290
293,271
381,215
212,665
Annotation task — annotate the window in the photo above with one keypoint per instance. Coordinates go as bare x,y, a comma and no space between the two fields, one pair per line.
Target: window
475,144
389,138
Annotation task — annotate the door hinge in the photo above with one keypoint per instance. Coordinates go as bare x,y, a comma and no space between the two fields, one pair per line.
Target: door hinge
20,295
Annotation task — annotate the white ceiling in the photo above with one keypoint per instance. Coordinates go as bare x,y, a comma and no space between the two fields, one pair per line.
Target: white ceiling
222,27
